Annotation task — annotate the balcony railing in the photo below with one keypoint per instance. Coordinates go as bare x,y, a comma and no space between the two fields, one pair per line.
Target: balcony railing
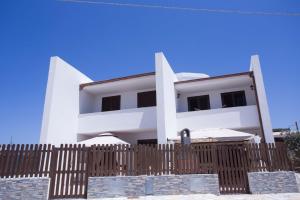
120,120
235,117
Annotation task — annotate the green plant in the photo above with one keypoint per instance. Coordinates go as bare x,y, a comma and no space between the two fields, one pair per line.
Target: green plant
292,141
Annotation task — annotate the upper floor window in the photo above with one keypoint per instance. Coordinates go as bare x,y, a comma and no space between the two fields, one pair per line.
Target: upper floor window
111,103
233,99
146,99
198,103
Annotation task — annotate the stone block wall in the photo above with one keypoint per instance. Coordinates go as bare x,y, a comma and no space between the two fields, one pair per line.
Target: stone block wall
186,184
116,186
298,180
272,182
134,186
24,188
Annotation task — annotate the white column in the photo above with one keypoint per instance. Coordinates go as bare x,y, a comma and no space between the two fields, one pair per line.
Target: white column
165,98
61,109
262,98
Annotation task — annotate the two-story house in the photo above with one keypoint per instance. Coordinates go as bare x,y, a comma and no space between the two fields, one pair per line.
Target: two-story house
152,107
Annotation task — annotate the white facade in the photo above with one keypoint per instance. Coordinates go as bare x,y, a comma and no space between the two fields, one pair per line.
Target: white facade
73,104
61,110
166,99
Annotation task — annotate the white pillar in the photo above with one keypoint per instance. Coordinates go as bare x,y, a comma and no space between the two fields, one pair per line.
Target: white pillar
262,98
165,98
61,109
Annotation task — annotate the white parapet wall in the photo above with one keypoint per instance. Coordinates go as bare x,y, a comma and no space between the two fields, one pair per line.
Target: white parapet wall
233,118
262,99
61,109
165,98
120,120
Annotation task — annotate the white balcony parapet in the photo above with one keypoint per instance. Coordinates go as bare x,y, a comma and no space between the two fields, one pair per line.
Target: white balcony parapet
119,120
232,118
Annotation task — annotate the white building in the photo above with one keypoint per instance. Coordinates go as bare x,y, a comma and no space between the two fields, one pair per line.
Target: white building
152,106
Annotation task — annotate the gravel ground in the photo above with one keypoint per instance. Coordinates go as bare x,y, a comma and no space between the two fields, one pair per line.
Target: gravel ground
285,196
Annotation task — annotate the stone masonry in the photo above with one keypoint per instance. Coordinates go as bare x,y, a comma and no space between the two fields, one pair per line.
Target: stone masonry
116,186
134,186
186,184
272,182
24,188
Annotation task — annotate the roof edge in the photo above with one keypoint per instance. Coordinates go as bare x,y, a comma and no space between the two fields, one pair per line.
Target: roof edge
116,79
216,77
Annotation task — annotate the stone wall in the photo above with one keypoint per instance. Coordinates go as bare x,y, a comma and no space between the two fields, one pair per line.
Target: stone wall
298,180
134,186
24,188
272,182
186,184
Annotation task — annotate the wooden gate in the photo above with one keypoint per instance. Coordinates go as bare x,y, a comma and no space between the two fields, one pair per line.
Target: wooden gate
69,172
232,169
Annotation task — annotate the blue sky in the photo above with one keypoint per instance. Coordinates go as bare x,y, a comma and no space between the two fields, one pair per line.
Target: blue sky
105,42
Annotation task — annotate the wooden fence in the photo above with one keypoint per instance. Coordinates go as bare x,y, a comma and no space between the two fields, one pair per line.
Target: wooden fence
133,160
25,160
69,171
69,166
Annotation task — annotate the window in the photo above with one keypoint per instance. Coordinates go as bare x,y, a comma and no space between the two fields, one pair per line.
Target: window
146,99
111,103
198,103
233,99
148,141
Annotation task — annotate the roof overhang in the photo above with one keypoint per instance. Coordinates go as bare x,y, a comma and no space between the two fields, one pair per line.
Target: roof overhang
216,82
128,83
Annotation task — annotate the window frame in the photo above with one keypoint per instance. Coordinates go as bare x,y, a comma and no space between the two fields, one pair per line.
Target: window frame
233,100
142,104
147,141
111,109
199,96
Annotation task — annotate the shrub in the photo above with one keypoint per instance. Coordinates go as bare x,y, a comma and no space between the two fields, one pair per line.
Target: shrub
292,141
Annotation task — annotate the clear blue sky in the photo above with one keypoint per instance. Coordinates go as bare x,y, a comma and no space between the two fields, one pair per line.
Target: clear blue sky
105,42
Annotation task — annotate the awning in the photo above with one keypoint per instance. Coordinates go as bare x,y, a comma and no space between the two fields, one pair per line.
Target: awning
217,135
104,138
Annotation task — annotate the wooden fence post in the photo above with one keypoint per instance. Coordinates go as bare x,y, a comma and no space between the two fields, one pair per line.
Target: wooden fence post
52,170
215,159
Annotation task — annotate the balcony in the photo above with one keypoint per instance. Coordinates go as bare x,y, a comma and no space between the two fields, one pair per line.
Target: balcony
121,120
233,118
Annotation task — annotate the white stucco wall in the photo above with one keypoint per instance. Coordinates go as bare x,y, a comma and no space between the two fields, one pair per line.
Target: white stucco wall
93,103
61,109
232,118
214,97
133,137
129,137
87,102
262,98
128,98
166,99
120,120
64,102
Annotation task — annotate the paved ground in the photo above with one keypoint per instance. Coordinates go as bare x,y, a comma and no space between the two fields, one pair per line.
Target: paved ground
289,196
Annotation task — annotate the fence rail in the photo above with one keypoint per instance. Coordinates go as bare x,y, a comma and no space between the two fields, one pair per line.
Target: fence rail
69,166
